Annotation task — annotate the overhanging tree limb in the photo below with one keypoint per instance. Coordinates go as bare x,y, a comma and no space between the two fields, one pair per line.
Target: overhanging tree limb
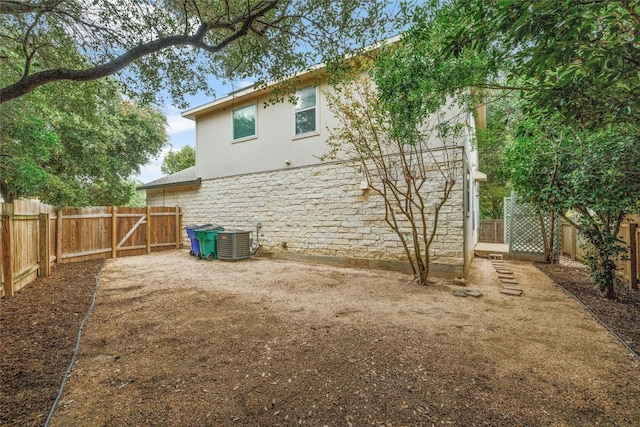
29,82
10,7
176,47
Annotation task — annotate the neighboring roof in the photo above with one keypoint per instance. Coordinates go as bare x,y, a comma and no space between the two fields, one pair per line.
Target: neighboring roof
252,91
184,177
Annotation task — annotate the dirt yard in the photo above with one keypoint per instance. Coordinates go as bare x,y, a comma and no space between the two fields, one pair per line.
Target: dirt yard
180,342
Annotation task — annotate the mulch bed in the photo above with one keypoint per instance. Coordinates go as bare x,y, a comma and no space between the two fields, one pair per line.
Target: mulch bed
39,327
621,315
40,324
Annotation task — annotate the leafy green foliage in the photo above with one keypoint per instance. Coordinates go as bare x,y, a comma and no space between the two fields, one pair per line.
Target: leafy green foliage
503,114
579,59
76,144
593,175
403,125
574,65
175,161
175,47
414,80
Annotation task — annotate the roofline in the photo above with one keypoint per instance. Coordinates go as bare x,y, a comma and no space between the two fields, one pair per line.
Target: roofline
196,181
252,90
241,93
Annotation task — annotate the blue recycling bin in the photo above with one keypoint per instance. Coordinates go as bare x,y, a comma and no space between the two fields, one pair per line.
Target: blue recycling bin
191,233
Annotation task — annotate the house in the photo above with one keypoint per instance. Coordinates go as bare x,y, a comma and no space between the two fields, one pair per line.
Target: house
258,169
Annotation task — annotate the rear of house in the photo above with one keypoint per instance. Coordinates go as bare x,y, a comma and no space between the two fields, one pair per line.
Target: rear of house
258,168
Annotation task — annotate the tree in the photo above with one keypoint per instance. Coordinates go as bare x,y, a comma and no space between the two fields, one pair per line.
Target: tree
76,144
175,161
503,113
156,46
590,178
415,180
575,65
403,125
578,59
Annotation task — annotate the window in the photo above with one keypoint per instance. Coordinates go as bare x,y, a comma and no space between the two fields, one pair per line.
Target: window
305,110
244,122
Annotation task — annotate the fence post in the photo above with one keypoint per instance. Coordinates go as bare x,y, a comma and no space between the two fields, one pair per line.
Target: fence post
44,267
114,232
59,236
7,249
633,255
148,229
178,231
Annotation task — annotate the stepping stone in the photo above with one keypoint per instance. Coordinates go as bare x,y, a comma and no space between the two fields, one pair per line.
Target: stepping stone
505,275
495,256
509,281
467,293
473,293
504,271
512,292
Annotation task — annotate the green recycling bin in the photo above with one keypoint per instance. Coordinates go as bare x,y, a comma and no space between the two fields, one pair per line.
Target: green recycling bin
207,241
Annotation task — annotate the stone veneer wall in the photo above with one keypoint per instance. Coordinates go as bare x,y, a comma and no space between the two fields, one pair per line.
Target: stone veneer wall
320,212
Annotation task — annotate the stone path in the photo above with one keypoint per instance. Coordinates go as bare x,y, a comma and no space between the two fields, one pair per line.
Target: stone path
505,275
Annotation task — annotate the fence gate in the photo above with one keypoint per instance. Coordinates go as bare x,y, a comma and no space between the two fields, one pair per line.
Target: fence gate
33,235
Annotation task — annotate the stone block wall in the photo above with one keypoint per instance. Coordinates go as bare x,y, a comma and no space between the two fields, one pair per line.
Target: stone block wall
317,212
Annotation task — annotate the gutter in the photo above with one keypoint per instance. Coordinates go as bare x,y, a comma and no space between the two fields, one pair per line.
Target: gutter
196,181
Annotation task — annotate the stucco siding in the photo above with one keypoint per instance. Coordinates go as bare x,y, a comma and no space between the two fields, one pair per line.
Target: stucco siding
275,145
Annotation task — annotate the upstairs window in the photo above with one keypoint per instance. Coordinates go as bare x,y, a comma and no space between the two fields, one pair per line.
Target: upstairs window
244,122
306,110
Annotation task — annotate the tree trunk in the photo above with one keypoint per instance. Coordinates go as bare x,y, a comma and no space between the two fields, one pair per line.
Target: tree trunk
7,196
608,278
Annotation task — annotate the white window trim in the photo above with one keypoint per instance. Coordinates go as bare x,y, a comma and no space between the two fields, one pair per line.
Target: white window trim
255,130
315,132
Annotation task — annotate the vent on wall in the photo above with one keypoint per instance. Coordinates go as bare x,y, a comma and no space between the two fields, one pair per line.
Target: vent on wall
233,245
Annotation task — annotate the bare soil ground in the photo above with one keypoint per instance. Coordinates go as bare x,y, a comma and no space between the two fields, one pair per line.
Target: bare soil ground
621,315
180,342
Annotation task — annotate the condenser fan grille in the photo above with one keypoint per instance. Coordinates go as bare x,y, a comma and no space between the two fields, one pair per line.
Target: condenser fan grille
233,245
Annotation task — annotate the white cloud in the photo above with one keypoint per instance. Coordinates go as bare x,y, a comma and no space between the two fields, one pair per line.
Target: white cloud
178,124
151,171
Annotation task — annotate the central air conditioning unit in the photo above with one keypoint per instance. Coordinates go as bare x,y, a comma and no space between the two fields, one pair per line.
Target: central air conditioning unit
232,245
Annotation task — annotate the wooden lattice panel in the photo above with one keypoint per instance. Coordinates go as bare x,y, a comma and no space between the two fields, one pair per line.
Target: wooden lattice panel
525,234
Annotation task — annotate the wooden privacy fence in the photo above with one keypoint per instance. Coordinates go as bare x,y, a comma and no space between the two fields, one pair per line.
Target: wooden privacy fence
491,231
573,246
34,235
